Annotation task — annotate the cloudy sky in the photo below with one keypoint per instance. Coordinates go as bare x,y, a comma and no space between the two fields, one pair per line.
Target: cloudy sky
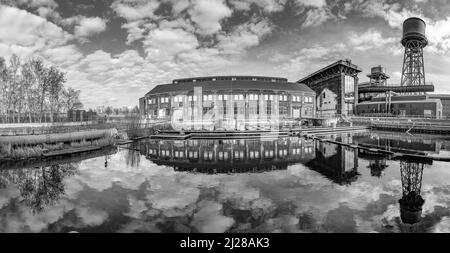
116,51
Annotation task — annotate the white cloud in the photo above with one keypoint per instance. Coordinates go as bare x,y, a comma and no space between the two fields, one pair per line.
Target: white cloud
438,34
63,56
243,37
208,219
369,39
165,44
26,34
179,5
443,226
135,10
317,16
207,15
90,216
89,26
313,3
268,6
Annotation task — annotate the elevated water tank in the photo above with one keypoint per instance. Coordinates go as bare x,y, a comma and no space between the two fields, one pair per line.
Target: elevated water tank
414,30
377,70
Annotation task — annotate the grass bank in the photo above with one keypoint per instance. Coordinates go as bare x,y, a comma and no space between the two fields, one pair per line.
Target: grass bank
25,151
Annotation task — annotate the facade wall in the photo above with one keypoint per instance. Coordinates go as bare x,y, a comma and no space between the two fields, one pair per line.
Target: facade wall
339,80
335,94
229,109
445,100
329,99
407,108
445,107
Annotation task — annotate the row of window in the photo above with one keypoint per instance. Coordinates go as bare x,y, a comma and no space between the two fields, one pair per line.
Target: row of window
164,100
209,155
236,97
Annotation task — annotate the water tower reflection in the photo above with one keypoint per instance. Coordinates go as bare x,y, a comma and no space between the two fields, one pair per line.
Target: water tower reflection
337,163
411,202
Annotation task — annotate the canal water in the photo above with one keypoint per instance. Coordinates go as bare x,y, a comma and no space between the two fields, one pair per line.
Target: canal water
287,184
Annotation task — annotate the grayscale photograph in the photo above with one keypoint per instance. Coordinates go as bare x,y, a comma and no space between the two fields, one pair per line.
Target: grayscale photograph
243,118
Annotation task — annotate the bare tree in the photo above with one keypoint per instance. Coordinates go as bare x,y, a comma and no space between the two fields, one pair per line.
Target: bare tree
13,86
71,99
39,72
55,80
32,88
3,88
29,87
109,110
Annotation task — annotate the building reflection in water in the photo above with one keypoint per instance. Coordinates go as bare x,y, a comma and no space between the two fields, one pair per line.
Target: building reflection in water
229,156
399,142
132,154
335,162
338,163
377,162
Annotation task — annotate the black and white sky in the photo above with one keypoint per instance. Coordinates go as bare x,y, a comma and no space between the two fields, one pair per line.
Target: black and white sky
115,51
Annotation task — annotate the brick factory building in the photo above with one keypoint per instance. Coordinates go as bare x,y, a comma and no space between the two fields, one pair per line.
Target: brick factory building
228,103
335,86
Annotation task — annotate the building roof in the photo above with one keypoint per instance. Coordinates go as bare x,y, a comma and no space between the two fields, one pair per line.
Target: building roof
231,78
228,85
346,63
445,96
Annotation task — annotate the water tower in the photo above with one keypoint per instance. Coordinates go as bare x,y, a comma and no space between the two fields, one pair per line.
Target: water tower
414,40
378,77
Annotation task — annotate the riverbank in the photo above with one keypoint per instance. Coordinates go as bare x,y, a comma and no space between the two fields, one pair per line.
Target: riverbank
38,145
37,162
27,151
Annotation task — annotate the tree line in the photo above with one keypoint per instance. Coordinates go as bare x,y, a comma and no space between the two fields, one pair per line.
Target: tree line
30,92
109,110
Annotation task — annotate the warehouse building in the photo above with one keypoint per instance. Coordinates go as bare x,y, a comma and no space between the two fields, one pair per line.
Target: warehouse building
229,103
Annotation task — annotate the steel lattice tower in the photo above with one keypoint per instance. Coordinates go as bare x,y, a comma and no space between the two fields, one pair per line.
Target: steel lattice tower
411,202
414,40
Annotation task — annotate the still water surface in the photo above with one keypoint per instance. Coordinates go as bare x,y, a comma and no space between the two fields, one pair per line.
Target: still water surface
269,185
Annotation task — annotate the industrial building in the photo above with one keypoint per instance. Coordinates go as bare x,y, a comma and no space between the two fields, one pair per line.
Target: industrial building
229,103
377,98
335,86
333,92
445,100
410,98
414,106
